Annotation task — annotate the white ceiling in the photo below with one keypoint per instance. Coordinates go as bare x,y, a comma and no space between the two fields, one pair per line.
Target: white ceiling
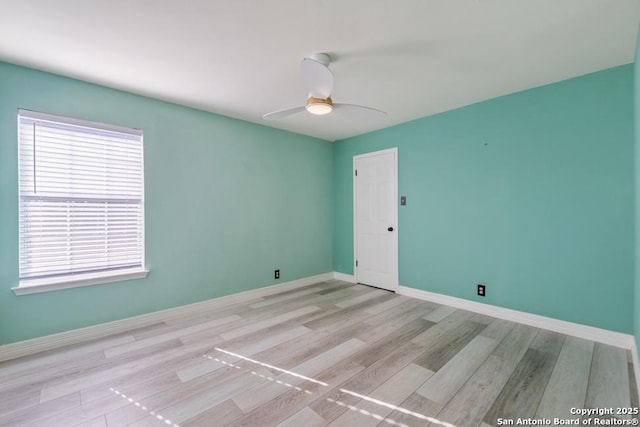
241,58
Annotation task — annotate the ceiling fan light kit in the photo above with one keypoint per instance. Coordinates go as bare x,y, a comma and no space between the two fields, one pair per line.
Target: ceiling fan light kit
319,79
319,106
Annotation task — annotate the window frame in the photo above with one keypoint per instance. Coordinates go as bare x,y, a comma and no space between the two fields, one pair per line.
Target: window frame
32,285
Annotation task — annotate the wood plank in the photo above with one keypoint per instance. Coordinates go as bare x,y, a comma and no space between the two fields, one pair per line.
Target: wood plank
353,313
633,386
609,379
155,397
334,285
444,384
18,399
158,328
386,305
293,352
100,421
498,329
292,400
450,343
372,294
435,334
205,399
43,361
388,344
254,327
107,373
305,417
396,312
521,395
214,334
277,295
266,312
187,319
37,412
567,386
482,318
36,376
161,338
415,411
345,292
81,413
287,296
116,399
440,313
221,414
374,407
206,365
143,351
136,389
366,381
391,320
471,403
297,377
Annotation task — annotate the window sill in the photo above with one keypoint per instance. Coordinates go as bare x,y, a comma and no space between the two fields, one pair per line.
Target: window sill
35,286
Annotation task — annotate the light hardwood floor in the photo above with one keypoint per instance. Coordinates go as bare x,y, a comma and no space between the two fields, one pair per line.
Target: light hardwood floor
327,354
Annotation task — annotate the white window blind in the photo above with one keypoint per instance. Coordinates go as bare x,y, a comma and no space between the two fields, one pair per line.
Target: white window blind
81,197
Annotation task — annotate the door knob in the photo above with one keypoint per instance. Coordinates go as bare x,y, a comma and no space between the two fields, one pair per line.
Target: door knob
390,229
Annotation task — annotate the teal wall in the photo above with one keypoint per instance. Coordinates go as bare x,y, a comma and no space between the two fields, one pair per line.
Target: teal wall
531,194
227,202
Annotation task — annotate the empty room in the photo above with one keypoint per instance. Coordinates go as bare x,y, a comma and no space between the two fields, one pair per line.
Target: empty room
319,213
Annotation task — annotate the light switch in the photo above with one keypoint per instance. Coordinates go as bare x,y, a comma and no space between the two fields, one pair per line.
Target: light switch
403,200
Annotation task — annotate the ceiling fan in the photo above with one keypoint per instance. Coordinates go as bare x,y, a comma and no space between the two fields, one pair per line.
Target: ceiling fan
319,79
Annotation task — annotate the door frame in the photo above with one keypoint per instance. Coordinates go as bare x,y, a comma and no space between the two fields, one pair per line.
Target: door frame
394,151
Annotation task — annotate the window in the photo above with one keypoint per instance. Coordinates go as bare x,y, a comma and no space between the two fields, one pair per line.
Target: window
81,206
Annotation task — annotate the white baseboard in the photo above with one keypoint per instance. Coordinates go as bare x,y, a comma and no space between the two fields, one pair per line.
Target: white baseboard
350,278
604,336
76,336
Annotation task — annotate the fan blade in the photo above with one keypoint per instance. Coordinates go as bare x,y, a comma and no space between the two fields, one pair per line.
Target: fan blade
318,78
358,112
282,113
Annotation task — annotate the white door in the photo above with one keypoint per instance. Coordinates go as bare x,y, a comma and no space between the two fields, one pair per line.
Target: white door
375,196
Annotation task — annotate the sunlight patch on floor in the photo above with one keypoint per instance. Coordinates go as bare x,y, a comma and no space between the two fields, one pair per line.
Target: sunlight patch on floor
397,408
272,367
167,421
260,375
365,412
